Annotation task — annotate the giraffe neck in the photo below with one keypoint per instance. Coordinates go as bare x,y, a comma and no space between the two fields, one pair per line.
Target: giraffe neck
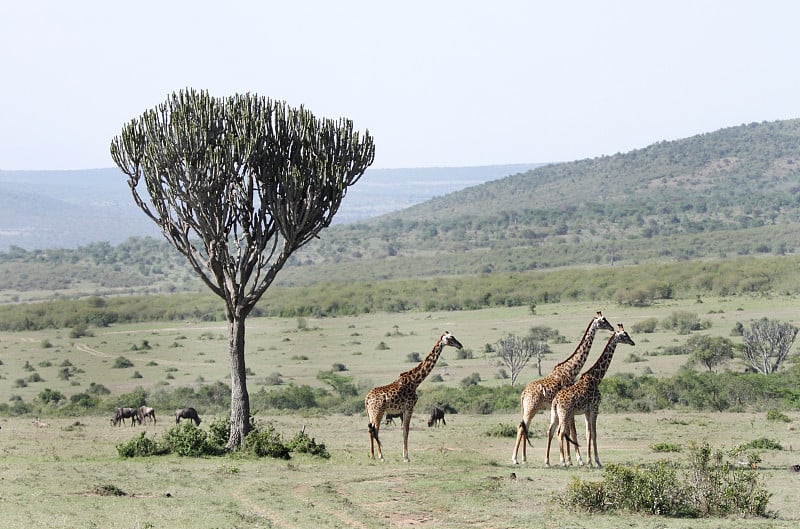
600,367
572,365
419,373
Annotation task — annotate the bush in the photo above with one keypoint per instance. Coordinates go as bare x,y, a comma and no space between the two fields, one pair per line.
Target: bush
48,395
188,440
683,322
140,446
121,362
218,432
710,487
778,416
761,444
266,442
645,326
665,447
303,444
501,430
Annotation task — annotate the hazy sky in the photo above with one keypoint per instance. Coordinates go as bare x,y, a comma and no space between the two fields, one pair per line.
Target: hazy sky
437,83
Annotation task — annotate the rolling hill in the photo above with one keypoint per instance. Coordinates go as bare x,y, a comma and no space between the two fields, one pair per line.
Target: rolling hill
67,209
724,194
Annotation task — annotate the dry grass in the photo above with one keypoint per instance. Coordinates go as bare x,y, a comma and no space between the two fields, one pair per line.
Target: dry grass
68,475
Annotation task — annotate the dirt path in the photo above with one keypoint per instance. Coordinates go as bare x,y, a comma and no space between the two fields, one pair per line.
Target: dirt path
82,347
301,497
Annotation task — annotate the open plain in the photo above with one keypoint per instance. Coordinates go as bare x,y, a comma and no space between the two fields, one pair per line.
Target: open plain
69,474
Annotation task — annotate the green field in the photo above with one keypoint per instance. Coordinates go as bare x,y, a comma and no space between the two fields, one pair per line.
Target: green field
459,476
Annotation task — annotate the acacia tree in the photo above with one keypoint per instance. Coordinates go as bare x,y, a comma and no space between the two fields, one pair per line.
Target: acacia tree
237,184
767,344
709,351
515,353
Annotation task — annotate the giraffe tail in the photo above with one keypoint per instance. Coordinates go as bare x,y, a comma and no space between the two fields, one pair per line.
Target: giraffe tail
525,433
374,433
571,441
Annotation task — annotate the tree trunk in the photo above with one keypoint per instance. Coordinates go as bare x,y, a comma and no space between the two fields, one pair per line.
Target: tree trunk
240,400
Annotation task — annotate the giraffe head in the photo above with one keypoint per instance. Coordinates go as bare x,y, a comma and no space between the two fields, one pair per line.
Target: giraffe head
449,339
602,323
622,336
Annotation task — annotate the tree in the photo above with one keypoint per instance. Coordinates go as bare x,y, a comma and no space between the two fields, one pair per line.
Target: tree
767,343
709,351
237,184
515,353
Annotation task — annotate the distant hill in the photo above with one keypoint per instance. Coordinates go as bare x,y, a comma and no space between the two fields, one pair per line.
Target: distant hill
66,209
716,196
732,192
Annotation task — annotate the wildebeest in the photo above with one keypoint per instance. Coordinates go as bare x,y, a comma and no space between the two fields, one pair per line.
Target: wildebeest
390,417
144,412
437,414
187,413
125,413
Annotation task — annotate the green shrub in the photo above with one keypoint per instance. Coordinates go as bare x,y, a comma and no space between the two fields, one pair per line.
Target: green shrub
778,416
665,447
710,487
48,395
645,326
303,444
219,430
501,430
121,362
761,444
186,439
721,488
140,446
266,442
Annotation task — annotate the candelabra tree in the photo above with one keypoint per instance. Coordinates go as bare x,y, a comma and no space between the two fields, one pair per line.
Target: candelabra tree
236,185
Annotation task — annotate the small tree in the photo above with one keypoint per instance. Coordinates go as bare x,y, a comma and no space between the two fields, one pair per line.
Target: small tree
515,353
237,185
767,344
709,351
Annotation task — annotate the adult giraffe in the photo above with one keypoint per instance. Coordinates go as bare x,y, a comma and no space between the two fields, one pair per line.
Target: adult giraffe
538,394
583,397
401,395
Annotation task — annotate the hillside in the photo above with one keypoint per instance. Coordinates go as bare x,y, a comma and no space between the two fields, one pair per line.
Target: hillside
730,193
727,193
67,209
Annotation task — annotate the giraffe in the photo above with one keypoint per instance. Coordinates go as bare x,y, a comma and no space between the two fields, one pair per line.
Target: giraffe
583,397
401,395
538,394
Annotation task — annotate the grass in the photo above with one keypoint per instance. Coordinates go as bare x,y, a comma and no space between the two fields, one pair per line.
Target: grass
298,349
458,476
59,476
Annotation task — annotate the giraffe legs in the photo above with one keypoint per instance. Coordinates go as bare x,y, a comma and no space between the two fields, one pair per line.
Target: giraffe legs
591,438
406,426
528,411
551,431
374,440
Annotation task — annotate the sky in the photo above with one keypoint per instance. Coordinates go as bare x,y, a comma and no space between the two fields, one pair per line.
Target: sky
436,83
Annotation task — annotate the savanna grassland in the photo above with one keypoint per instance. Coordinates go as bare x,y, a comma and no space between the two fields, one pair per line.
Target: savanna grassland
66,474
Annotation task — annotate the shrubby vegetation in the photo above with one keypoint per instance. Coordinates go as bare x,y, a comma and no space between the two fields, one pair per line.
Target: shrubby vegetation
687,280
187,440
712,486
690,389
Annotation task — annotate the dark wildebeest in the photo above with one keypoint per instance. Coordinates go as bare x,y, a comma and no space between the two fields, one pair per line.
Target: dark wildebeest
390,417
436,415
187,413
145,412
124,413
